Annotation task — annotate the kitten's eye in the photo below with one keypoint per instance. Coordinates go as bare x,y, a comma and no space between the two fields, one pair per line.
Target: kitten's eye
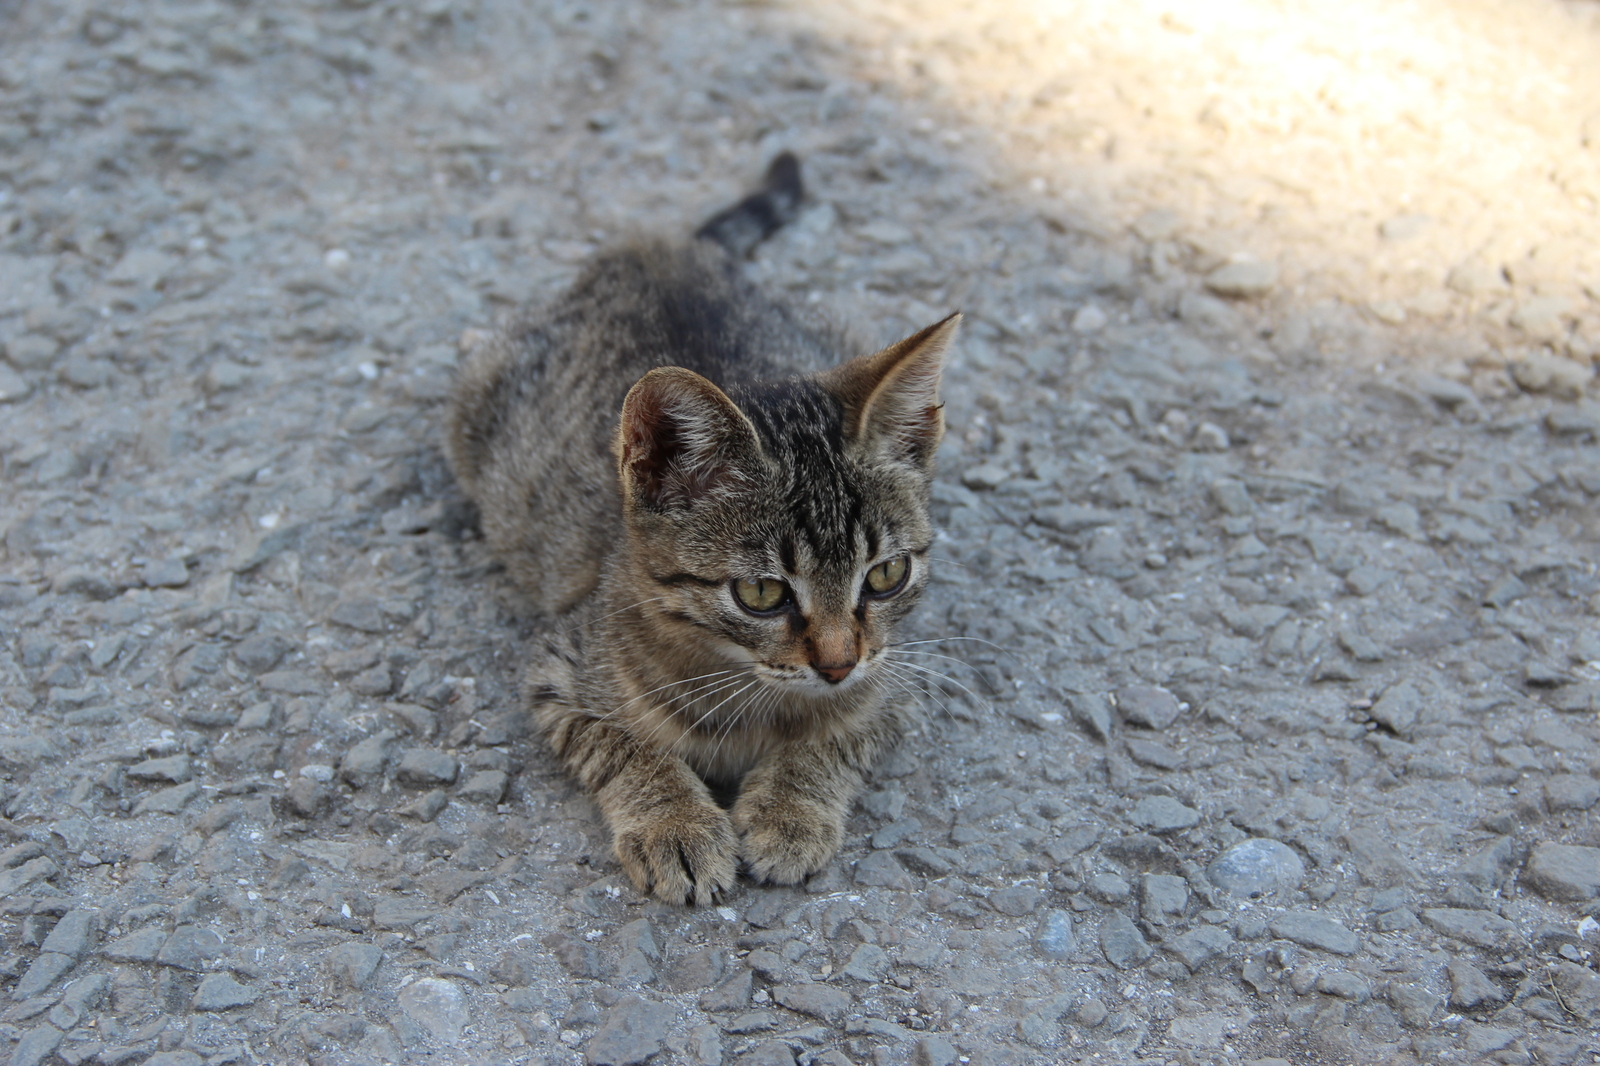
763,595
888,577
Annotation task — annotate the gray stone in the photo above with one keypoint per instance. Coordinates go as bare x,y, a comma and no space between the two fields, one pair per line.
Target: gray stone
1417,1005
1199,946
377,681
1345,985
1571,792
1397,709
1071,518
1163,898
181,1057
73,934
1470,988
1581,419
1163,814
1017,901
1490,866
260,652
1316,931
985,476
290,683
882,870
141,945
1092,711
705,1044
190,947
1564,872
363,614
362,766
1108,887
638,938
830,1004
1244,278
1257,867
579,957
867,963
20,877
426,768
1446,393
696,969
485,786
167,574
1148,753
1580,991
1507,590
731,994
218,992
1208,312
436,1006
1231,497
1482,1039
13,387
43,973
768,1053
78,581
168,800
934,1051
1152,708
36,1045
1395,921
1475,927
630,1032
1124,946
1379,861
1055,938
353,965
1542,372
174,768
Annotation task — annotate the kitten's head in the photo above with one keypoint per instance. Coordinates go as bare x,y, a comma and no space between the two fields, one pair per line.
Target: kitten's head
785,526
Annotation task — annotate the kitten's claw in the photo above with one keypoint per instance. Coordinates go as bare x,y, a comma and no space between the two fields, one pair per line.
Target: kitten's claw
783,844
685,854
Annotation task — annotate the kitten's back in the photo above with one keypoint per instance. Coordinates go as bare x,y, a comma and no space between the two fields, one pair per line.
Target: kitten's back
535,406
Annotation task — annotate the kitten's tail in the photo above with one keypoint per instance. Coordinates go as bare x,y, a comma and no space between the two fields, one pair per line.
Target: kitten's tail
755,218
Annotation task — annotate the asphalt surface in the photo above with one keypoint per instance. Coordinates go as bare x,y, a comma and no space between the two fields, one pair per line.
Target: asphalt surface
1264,655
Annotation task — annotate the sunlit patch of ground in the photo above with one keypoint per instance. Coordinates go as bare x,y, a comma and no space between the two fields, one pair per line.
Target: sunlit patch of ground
1432,165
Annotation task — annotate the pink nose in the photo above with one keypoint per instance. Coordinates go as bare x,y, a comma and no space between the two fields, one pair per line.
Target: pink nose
834,674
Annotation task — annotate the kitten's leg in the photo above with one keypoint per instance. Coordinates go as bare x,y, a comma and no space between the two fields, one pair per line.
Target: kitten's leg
791,808
669,834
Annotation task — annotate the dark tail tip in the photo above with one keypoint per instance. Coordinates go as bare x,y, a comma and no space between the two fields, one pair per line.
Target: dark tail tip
755,218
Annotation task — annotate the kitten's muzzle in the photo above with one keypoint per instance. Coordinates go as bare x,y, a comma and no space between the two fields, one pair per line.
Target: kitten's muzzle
834,673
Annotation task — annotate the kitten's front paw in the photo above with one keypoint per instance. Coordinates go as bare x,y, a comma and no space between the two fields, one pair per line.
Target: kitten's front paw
786,840
681,853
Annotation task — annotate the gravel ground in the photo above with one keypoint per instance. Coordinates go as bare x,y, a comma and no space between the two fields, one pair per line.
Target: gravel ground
1268,728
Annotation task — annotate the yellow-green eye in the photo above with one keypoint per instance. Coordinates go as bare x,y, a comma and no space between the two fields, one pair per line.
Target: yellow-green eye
887,577
762,595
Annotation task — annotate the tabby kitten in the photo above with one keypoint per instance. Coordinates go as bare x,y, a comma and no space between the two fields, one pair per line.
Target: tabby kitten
727,523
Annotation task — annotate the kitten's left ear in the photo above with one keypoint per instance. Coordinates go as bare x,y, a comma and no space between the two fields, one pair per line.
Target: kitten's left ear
891,399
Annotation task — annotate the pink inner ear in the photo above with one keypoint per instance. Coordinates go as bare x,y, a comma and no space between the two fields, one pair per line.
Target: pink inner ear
682,439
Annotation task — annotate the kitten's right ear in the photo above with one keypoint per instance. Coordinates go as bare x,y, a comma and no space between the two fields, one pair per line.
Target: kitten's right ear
682,440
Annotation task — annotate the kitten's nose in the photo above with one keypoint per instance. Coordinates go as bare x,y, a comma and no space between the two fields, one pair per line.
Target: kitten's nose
834,674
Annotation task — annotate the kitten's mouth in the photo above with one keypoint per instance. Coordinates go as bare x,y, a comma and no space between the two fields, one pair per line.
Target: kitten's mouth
812,680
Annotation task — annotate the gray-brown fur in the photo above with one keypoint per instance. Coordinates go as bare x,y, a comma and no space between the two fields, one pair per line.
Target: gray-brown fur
660,434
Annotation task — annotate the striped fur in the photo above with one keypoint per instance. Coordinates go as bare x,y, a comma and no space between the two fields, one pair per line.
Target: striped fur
660,434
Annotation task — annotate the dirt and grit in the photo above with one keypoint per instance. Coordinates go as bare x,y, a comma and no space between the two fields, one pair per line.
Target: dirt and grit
1263,664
